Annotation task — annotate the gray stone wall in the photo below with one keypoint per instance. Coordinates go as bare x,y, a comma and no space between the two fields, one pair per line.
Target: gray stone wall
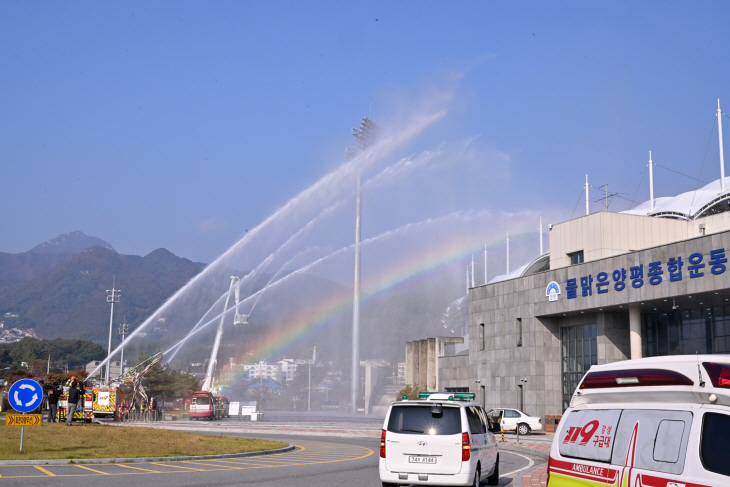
499,363
454,371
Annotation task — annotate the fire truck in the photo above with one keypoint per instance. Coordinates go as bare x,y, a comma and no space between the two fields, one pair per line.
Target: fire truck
106,402
85,412
204,406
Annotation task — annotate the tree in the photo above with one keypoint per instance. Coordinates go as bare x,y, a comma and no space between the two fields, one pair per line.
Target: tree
409,390
163,382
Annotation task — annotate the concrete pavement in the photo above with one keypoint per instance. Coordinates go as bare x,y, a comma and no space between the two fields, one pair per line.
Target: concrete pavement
536,444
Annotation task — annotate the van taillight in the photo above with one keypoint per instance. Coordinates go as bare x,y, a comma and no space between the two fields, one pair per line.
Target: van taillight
382,445
719,374
634,378
465,447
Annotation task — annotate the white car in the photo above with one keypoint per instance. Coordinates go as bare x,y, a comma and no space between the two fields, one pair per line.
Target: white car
516,420
438,440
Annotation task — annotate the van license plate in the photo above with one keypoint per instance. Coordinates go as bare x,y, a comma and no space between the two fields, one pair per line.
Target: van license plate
412,459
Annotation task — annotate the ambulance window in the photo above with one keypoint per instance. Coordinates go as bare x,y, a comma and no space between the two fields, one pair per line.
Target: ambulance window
713,449
660,437
475,423
666,446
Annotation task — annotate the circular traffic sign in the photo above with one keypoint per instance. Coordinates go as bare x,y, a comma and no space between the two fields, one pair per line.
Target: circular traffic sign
25,395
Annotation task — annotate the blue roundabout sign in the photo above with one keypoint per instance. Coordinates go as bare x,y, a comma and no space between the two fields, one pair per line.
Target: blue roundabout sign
25,395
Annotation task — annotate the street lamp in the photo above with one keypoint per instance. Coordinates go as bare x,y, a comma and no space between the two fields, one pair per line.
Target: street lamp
522,393
112,297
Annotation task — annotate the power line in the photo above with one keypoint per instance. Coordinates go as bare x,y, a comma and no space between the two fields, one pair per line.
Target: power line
680,173
637,188
576,204
709,139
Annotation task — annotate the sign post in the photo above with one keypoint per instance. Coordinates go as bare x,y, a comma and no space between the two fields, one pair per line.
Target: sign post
24,396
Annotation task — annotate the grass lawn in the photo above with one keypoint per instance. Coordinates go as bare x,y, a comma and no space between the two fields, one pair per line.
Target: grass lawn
58,441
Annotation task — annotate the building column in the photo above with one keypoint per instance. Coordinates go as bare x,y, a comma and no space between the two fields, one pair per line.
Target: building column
635,331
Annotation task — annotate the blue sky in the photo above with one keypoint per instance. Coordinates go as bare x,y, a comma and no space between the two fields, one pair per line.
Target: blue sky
183,124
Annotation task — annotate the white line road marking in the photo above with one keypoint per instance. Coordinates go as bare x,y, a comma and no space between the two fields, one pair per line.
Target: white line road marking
529,465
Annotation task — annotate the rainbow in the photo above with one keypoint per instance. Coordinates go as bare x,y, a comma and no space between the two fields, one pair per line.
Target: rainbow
406,270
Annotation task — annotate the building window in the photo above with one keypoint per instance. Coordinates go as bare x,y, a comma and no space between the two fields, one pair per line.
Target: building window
579,350
519,332
689,331
576,257
482,337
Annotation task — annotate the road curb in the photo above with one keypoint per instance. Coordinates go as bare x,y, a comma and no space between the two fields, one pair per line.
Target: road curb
83,461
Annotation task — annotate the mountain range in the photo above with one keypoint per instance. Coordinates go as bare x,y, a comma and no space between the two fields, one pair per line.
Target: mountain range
59,287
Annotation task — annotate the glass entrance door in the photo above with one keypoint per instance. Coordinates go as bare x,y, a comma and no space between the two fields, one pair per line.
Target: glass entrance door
579,350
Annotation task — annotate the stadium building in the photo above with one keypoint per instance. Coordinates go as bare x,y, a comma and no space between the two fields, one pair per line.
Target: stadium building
650,281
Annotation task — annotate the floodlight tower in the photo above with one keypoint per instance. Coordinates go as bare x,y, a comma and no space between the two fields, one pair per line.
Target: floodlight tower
365,137
112,297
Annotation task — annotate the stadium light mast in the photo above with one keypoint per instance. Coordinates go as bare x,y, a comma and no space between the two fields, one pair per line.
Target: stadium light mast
365,137
112,296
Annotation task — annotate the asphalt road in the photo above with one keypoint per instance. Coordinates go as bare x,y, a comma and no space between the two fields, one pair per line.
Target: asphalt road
321,461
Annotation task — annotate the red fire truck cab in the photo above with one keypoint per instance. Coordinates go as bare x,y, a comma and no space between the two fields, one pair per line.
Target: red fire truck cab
203,405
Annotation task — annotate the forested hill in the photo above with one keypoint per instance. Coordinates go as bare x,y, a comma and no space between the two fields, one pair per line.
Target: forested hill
69,299
57,354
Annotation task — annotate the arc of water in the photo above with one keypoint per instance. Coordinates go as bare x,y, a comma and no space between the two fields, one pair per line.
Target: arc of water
393,170
404,229
350,168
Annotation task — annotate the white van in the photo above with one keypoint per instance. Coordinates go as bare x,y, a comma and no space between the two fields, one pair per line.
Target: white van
441,439
661,421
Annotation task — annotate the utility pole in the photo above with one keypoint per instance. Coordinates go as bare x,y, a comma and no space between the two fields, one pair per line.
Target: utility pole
651,183
112,297
123,330
722,156
309,393
507,253
485,264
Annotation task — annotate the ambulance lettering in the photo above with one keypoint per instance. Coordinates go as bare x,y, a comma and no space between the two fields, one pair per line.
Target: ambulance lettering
585,433
587,469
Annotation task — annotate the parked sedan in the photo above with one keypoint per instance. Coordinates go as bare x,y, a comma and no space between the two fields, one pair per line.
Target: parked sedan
514,419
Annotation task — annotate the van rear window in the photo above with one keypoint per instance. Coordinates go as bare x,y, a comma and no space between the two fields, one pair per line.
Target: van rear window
418,420
201,400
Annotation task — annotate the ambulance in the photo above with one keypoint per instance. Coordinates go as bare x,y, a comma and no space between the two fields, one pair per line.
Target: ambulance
652,422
